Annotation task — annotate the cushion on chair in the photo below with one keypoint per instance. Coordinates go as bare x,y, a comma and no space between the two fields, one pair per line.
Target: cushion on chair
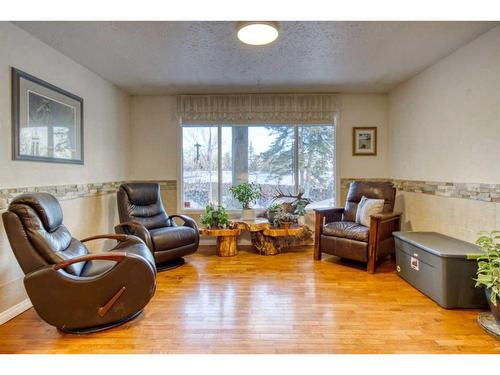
367,208
171,237
347,229
372,190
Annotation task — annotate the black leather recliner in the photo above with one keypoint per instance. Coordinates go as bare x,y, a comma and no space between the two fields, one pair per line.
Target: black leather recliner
142,214
71,288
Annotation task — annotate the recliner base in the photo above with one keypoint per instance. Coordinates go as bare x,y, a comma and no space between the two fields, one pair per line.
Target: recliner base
104,327
171,264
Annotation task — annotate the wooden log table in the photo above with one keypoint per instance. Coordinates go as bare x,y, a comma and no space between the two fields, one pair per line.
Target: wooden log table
267,239
255,228
227,240
271,244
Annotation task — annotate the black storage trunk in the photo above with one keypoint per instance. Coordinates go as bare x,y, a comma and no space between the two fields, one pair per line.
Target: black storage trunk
437,265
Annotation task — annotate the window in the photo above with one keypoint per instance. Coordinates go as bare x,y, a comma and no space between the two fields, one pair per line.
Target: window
289,157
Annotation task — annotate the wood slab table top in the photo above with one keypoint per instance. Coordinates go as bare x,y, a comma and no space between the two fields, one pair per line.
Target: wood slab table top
219,232
257,225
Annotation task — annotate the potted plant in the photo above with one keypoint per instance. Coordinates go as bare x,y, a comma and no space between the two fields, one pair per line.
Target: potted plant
214,217
284,219
488,269
273,210
246,193
300,210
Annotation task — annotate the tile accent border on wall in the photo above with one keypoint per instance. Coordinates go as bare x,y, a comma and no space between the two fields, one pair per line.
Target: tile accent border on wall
74,191
462,190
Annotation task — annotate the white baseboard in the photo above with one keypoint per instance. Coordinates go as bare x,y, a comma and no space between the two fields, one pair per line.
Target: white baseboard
14,311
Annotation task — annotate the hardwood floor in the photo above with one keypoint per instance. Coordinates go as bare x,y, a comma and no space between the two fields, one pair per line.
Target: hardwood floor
282,304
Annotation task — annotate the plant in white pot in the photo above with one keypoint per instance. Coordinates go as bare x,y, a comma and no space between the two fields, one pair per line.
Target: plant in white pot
246,193
300,210
488,269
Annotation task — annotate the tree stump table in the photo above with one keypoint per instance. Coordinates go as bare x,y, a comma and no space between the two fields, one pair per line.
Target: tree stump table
271,244
227,240
255,227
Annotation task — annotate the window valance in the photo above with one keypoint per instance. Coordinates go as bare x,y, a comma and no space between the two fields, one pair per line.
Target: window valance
257,108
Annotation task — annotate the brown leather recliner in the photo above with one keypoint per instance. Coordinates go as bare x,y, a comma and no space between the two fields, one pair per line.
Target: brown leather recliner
70,288
142,214
337,233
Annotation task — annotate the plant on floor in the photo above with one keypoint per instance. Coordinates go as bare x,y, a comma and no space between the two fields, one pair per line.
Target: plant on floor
214,217
246,193
488,264
488,268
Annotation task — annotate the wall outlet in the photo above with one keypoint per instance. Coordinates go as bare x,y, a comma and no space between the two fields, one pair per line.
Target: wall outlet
3,203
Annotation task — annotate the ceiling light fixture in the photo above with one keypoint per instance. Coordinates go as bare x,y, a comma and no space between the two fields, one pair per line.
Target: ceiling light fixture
257,33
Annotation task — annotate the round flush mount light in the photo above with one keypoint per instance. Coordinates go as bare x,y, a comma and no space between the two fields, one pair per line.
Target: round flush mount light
257,33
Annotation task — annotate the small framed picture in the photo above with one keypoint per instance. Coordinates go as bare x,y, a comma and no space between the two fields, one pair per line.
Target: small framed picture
47,122
364,141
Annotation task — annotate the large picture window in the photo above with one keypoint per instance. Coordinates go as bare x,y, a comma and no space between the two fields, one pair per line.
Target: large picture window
289,157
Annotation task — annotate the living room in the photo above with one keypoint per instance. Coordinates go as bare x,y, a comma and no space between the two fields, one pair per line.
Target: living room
213,164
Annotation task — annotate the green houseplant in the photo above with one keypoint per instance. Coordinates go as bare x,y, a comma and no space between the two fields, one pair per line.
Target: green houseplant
214,217
300,210
273,210
284,219
246,193
488,269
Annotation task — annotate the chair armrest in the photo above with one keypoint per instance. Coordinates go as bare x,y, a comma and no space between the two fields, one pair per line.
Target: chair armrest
188,222
115,256
117,237
381,228
135,228
387,216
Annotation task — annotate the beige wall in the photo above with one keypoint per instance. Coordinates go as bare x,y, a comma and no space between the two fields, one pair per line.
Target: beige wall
155,136
445,122
363,110
107,139
444,125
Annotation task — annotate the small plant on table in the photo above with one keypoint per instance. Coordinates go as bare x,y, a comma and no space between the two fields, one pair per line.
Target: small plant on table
215,217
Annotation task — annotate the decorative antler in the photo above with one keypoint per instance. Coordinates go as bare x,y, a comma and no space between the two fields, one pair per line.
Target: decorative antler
297,198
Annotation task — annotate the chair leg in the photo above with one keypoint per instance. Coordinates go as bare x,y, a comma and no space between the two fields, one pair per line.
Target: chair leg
317,236
317,252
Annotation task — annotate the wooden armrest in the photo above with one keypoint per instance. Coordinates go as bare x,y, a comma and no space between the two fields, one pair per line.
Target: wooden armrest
114,256
388,216
117,237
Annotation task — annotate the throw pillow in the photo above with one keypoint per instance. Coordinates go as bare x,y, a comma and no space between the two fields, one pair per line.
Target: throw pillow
366,208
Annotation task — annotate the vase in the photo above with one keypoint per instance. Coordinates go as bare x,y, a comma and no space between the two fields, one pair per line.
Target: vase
495,310
286,225
301,220
248,214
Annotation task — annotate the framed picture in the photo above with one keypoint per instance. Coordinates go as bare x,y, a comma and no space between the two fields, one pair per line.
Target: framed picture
364,141
47,122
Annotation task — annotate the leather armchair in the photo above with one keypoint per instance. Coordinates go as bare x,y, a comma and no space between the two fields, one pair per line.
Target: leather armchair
142,214
337,233
71,288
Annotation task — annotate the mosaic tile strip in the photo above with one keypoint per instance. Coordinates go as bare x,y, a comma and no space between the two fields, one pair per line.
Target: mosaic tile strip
74,191
462,190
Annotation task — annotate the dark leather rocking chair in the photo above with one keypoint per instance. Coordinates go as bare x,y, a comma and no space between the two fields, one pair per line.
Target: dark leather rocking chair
337,233
70,288
142,214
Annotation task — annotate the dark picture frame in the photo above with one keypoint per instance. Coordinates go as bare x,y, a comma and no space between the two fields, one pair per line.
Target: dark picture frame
364,141
59,118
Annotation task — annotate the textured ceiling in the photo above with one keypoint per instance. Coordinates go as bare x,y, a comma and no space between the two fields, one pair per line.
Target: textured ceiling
206,57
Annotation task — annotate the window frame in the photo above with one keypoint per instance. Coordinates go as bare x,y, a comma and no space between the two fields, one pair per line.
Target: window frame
296,126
